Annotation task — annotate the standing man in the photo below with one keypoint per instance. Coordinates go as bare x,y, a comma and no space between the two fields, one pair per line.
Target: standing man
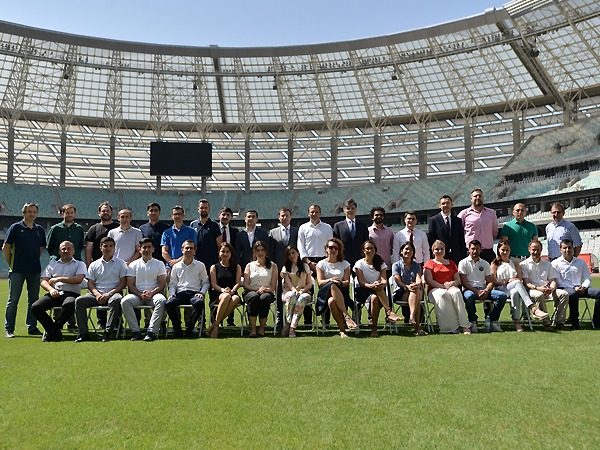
126,238
209,236
246,238
146,280
560,229
154,229
24,243
174,237
446,227
413,235
382,237
107,277
228,233
478,285
279,239
519,232
480,223
574,277
540,278
351,232
62,280
67,230
92,247
188,286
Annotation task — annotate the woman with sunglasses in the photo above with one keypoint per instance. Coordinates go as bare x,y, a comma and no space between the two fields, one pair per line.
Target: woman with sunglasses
371,274
225,280
333,278
441,275
260,283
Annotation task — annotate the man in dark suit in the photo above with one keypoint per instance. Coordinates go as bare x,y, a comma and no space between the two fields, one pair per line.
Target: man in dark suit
228,233
448,228
351,232
279,239
246,238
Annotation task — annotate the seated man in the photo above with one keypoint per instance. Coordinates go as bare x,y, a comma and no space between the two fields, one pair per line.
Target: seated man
476,279
62,280
574,277
540,278
107,277
188,286
146,280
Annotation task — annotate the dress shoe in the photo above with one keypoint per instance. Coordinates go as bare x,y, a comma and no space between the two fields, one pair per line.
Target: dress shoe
9,335
150,337
34,332
136,336
83,338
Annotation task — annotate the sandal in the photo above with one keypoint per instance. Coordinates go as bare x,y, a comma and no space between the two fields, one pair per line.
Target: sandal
286,330
252,335
392,316
350,324
422,333
539,314
374,334
343,335
519,328
412,321
292,333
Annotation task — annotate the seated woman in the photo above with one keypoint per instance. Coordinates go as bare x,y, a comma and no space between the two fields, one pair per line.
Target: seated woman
371,274
507,277
333,277
296,286
407,276
441,275
260,282
225,279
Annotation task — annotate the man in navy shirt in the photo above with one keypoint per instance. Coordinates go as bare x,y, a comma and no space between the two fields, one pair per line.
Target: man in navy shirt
209,236
154,229
25,241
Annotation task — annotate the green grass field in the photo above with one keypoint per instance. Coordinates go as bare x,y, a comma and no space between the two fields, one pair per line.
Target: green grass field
508,390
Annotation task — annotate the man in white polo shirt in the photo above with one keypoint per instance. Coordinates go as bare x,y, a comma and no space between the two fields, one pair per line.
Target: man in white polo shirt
146,280
540,278
126,238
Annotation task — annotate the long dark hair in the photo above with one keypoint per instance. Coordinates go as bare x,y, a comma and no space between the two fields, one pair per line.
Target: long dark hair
377,259
408,244
266,247
498,260
288,263
232,262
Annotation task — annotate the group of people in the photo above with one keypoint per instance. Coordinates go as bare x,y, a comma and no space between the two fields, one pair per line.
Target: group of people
159,268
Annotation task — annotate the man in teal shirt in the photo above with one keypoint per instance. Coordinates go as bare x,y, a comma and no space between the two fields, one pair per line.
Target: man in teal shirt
519,232
67,230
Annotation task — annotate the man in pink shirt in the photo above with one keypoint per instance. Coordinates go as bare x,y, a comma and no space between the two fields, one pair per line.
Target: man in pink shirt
382,236
480,223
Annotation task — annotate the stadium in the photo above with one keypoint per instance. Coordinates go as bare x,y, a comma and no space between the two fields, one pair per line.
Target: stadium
507,101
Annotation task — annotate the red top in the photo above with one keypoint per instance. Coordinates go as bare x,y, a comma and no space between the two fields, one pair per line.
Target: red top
442,273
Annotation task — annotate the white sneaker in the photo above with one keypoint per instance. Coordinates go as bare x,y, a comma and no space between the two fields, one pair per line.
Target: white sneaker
473,327
495,327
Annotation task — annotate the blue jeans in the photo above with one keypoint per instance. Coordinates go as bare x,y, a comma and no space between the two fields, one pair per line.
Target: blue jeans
15,287
498,298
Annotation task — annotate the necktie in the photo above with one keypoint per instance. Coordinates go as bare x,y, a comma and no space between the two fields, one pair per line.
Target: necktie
411,237
224,234
352,230
448,223
286,236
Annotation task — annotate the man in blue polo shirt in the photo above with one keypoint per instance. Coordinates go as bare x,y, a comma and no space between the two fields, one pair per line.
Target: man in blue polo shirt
25,241
174,237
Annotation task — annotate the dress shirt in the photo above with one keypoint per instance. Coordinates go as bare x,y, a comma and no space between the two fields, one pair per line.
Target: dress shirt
538,273
69,269
559,231
250,235
107,275
146,273
419,241
475,271
572,274
189,278
312,239
482,226
285,234
384,241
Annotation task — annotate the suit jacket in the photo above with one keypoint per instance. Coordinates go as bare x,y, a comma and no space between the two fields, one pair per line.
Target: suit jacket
456,248
243,249
233,231
277,247
352,247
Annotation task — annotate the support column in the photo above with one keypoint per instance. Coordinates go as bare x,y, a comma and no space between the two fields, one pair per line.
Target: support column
468,149
203,187
113,165
516,133
63,159
10,160
422,143
290,147
567,114
334,162
377,158
158,185
247,165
